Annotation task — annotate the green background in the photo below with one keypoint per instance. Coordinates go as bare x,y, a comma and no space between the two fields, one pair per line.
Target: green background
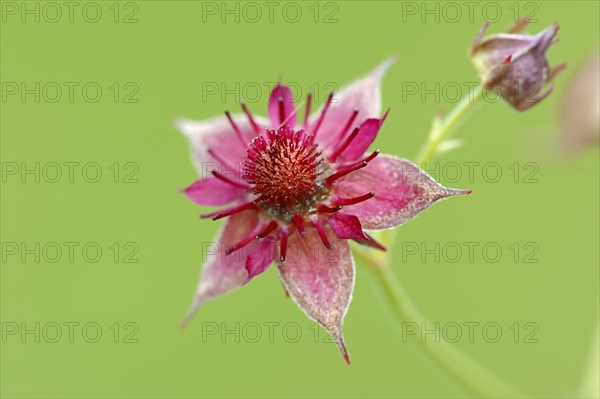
168,54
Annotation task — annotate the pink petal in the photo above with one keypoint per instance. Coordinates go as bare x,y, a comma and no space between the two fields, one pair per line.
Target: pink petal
223,273
366,135
217,135
260,257
319,280
363,95
211,191
281,107
402,190
347,226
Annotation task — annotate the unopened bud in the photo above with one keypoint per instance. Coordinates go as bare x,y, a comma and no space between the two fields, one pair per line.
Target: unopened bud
514,64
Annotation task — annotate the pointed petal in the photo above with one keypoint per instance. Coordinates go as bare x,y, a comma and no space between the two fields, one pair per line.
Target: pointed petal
260,257
402,190
347,226
363,95
546,38
211,191
319,280
223,273
217,135
281,107
366,135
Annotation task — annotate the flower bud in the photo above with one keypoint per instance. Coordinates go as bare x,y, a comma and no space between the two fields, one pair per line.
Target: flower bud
514,65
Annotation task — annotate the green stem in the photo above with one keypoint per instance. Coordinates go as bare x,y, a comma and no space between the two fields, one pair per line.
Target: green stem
472,375
444,128
467,371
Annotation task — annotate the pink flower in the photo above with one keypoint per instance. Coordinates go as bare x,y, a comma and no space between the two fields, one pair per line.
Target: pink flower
301,187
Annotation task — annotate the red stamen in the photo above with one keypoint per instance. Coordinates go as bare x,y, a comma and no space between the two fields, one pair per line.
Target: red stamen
507,60
245,241
250,118
283,237
228,180
370,157
267,230
322,116
344,144
281,111
299,225
355,200
229,211
307,110
344,172
239,245
322,234
236,129
365,160
285,170
328,209
350,120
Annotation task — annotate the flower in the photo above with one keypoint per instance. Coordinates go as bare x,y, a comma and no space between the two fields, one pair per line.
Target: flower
515,65
301,191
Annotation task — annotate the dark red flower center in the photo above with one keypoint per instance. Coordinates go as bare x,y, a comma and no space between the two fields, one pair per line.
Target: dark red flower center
289,180
287,173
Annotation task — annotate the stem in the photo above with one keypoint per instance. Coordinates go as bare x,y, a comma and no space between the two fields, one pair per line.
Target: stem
467,371
472,375
444,128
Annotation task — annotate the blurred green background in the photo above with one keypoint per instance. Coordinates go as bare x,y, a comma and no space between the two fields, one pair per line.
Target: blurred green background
166,61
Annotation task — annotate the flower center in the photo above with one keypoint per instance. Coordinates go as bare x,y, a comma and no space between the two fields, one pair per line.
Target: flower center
286,172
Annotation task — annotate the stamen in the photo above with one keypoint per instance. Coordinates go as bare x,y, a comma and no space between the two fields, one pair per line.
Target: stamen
245,241
299,225
283,237
267,230
236,129
370,157
228,180
355,200
350,120
283,168
328,209
344,144
307,110
344,172
322,234
250,118
322,116
229,211
281,110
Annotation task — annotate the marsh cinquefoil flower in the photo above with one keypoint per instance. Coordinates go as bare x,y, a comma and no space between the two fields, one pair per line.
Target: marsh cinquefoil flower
515,64
302,187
